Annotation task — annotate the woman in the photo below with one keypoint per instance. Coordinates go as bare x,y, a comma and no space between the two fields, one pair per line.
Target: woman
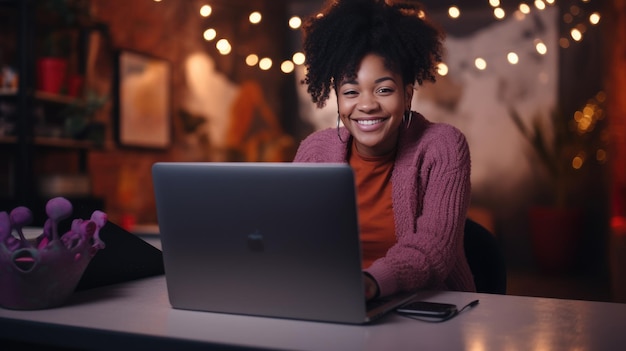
412,176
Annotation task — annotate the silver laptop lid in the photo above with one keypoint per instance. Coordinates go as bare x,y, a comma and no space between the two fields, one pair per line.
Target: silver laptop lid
268,239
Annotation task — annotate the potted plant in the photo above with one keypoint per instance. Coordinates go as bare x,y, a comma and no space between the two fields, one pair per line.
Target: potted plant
58,21
564,148
52,65
79,118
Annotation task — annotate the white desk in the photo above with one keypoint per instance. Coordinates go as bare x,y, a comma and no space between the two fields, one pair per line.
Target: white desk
137,315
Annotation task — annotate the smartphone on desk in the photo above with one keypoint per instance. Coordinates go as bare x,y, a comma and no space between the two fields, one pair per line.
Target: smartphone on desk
428,309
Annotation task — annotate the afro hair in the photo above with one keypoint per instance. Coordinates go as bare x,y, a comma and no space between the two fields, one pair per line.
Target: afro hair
336,40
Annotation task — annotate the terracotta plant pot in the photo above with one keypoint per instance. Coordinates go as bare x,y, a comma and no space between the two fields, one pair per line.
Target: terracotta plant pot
556,235
51,74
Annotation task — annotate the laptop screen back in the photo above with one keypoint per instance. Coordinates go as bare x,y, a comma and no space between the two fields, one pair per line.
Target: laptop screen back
268,239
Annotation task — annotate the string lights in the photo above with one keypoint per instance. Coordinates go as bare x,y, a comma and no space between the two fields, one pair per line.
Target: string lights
575,17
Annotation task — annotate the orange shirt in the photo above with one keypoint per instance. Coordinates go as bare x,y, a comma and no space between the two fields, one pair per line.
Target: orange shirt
376,219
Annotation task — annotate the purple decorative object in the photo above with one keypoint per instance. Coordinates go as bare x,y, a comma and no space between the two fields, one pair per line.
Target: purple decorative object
44,273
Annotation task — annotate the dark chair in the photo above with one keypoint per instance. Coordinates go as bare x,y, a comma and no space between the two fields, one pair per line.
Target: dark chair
485,259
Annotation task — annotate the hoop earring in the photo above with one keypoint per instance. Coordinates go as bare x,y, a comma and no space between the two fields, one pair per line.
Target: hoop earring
338,133
407,117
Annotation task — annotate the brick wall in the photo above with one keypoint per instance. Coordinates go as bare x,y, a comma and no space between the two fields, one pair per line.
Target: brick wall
171,30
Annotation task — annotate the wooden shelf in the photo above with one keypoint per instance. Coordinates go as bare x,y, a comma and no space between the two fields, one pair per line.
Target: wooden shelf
53,142
60,99
64,143
8,139
8,92
43,96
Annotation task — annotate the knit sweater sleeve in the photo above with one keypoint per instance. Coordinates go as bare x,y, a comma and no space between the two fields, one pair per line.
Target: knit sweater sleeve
431,192
323,146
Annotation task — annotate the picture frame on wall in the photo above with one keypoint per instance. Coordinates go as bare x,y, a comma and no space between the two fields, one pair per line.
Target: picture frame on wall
143,100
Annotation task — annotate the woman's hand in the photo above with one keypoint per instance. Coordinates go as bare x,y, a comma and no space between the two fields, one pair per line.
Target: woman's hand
371,287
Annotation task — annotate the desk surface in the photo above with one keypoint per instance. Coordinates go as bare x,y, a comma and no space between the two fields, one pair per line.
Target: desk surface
138,314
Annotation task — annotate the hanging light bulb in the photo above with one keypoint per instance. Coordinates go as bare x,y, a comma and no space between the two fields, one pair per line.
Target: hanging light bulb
255,17
513,58
454,12
499,13
524,8
442,69
480,63
252,60
223,46
265,63
298,58
540,5
209,34
576,34
541,48
287,66
206,10
295,22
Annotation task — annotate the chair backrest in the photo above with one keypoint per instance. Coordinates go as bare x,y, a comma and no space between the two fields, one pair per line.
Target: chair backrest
485,259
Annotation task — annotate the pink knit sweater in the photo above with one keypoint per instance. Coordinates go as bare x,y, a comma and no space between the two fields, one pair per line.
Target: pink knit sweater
430,196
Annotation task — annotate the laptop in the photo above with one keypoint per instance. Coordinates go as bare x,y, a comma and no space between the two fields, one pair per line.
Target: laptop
264,239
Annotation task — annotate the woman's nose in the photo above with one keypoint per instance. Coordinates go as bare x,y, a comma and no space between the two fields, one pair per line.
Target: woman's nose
367,102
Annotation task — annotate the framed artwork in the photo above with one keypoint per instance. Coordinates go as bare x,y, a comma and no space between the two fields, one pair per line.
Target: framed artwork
143,101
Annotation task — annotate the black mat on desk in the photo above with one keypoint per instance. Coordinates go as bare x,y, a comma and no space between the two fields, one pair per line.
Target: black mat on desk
126,257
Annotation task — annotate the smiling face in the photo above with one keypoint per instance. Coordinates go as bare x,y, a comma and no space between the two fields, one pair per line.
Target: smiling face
371,106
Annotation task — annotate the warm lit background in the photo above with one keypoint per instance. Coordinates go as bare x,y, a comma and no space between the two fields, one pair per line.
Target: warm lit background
536,86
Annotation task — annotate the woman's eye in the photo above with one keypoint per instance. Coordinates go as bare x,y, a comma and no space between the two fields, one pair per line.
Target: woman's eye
385,91
350,92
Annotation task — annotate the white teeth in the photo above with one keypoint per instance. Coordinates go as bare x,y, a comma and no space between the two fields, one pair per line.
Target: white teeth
369,122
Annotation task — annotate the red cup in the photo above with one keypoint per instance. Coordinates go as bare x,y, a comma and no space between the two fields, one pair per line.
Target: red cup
51,74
